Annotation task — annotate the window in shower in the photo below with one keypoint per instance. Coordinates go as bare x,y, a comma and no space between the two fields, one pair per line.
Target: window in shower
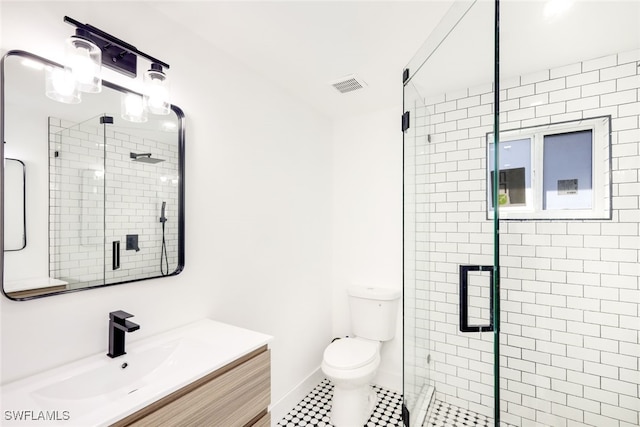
514,176
567,170
555,171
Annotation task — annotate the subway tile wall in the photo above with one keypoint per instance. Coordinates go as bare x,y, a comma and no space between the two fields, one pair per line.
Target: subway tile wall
129,195
570,290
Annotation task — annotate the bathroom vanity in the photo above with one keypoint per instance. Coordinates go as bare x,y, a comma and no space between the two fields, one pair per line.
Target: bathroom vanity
237,394
205,373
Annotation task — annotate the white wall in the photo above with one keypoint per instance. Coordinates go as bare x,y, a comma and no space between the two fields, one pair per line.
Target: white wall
258,213
367,219
32,260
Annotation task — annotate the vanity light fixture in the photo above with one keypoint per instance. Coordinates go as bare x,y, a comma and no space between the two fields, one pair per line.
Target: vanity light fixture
87,51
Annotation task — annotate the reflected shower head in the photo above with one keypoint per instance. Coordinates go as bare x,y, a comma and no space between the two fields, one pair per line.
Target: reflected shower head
144,158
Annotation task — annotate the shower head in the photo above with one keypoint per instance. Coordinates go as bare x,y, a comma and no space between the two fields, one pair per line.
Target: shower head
144,158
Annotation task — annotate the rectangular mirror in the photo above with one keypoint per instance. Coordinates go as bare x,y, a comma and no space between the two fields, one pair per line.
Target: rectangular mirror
105,195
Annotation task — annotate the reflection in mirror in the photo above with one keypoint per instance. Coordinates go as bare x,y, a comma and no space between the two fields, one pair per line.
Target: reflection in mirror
105,199
15,232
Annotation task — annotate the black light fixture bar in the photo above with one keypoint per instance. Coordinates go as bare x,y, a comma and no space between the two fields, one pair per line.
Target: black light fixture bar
116,54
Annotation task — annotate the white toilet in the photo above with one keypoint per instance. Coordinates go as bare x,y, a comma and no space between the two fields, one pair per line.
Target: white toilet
351,363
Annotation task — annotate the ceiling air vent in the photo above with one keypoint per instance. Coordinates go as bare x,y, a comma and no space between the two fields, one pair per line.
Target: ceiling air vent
348,83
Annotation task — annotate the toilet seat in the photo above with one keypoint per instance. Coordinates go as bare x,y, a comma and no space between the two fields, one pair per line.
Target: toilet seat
350,353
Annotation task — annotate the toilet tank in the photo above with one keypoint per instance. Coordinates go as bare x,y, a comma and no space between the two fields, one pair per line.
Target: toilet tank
373,312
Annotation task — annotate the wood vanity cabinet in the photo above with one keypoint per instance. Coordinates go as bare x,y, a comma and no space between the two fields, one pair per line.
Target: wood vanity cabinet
236,395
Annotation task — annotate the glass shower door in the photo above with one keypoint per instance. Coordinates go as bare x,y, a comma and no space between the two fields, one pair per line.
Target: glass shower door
76,201
567,187
114,200
449,233
417,389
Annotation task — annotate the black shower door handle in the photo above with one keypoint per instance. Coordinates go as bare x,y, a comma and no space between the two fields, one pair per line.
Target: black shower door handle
464,300
115,254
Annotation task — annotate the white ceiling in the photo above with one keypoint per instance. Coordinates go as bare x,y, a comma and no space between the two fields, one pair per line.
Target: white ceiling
302,46
299,45
531,40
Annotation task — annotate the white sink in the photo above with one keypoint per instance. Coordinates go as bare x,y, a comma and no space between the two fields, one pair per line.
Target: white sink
118,377
100,390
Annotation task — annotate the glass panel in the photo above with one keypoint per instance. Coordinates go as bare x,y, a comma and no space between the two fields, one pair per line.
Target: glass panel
417,390
447,233
571,287
76,202
142,196
567,171
514,186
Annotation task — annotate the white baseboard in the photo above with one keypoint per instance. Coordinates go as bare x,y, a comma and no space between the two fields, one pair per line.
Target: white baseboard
282,407
389,380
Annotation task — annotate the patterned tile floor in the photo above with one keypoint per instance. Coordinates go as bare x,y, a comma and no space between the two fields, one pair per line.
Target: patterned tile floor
442,414
313,410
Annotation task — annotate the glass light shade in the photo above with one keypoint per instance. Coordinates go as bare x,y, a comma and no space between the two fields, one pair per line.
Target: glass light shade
169,126
132,108
157,91
61,85
85,60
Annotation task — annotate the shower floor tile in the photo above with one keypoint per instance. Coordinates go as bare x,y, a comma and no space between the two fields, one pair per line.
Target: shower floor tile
442,414
313,410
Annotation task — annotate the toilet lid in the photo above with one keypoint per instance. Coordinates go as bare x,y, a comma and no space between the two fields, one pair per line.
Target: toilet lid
350,353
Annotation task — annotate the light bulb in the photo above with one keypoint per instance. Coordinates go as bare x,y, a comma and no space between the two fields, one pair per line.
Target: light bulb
168,126
30,63
85,60
133,108
61,85
157,90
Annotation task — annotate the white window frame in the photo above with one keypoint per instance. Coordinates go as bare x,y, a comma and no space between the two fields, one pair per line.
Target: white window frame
600,171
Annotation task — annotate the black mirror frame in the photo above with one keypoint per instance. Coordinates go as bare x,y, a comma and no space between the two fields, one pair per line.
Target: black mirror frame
181,181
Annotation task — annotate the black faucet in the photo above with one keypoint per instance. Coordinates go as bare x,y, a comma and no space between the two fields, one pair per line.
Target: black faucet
117,327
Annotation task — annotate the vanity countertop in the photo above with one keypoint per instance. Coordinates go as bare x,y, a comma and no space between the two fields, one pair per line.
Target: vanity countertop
98,390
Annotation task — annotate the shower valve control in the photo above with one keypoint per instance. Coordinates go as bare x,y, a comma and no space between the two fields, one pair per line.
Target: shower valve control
132,242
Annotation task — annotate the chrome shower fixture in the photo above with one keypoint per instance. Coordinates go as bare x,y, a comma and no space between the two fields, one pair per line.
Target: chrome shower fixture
144,158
